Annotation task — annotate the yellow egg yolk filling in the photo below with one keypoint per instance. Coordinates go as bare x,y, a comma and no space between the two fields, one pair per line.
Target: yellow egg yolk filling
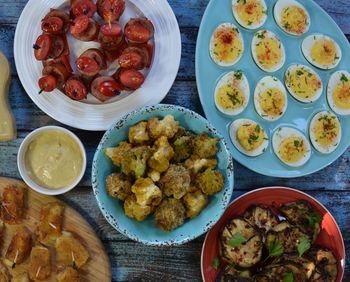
294,19
303,83
230,97
272,102
292,149
341,95
268,51
250,136
324,52
250,11
326,130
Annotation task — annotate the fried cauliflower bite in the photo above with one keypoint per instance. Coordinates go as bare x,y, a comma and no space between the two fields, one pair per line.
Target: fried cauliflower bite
198,165
40,263
194,203
160,159
170,214
138,133
154,175
210,181
23,277
118,186
204,146
168,127
175,181
69,274
4,273
183,147
133,210
12,205
134,162
116,154
146,192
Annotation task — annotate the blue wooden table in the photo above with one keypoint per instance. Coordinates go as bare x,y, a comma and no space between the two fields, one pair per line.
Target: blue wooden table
132,261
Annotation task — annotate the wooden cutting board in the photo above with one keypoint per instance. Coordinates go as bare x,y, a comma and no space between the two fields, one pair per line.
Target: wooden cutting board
96,269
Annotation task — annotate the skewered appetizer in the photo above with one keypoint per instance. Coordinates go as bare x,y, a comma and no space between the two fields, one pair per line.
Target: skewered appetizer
125,52
166,170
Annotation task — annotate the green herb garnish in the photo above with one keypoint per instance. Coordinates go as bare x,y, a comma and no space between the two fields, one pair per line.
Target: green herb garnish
237,240
303,246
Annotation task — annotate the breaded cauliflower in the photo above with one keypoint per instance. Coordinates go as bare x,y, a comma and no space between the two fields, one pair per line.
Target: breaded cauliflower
198,165
134,162
204,146
183,147
138,133
175,181
116,154
194,203
146,192
168,127
160,160
210,181
170,214
133,210
118,186
154,175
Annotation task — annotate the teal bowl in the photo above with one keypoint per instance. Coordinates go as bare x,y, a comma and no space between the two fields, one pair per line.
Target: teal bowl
146,232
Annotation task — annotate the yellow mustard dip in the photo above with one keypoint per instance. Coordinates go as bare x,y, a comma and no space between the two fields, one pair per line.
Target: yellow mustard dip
53,159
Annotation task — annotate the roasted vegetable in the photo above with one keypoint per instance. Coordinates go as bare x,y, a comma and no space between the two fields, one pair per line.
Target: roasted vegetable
160,159
146,192
170,214
204,146
210,181
138,133
308,266
183,147
301,214
118,186
195,202
134,162
240,243
175,181
40,263
326,265
281,272
116,154
198,165
133,210
230,274
167,127
261,217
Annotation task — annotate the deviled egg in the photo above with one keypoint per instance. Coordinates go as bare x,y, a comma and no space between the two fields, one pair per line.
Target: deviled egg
303,83
248,137
325,132
270,98
268,51
226,45
291,146
232,93
250,14
338,92
291,17
321,51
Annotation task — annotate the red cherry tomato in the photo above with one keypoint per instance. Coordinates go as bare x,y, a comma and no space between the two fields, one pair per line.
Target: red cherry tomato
80,24
83,7
75,89
109,88
131,78
42,47
52,25
47,83
113,29
87,65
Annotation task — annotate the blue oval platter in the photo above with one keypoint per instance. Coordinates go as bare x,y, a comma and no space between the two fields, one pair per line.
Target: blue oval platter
297,115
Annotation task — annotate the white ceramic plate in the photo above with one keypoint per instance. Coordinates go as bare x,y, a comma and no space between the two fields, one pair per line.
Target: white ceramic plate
92,114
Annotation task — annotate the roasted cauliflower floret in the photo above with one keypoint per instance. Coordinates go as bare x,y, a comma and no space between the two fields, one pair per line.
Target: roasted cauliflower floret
175,181
138,133
210,181
195,202
183,147
146,192
198,165
154,175
116,154
170,214
204,146
118,186
168,127
160,160
133,210
134,162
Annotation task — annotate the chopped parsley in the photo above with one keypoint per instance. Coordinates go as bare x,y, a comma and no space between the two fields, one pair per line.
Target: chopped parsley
343,78
275,249
238,75
314,218
303,245
215,263
288,277
237,240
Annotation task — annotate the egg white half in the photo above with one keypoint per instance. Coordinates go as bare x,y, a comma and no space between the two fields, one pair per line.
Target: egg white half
307,44
283,4
233,135
283,133
241,84
252,25
319,147
333,82
257,40
264,84
318,93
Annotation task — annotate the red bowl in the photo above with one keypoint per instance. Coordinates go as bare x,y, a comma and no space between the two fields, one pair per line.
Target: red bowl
329,237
